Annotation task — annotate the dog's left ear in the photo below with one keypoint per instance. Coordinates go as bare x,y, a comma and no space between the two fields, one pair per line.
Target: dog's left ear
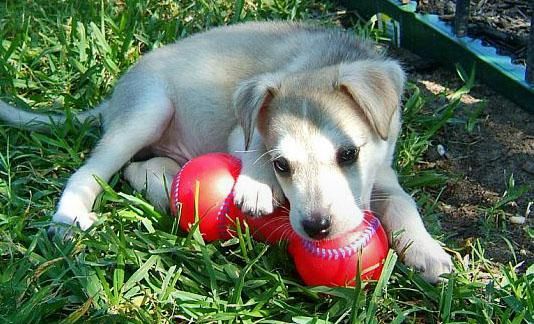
251,99
376,88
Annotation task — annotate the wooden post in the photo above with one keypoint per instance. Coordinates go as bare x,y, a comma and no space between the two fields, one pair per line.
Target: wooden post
461,19
529,74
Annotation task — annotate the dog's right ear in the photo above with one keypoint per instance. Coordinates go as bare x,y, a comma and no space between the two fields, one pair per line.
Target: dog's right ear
251,99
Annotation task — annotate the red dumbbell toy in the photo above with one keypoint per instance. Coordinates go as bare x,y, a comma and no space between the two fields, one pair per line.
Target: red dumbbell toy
327,262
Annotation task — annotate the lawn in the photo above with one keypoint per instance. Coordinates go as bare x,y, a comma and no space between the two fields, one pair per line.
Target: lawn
134,265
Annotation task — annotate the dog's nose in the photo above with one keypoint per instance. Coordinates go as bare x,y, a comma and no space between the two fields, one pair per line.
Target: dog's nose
317,226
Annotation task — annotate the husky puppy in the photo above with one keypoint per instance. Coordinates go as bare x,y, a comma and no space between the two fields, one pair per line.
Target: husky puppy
313,114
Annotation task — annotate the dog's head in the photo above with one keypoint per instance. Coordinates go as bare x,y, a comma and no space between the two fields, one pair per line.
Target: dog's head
327,131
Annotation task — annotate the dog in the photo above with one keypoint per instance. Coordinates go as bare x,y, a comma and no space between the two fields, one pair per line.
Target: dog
313,113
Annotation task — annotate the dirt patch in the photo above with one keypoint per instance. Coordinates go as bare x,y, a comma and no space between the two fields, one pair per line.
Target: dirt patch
503,24
481,158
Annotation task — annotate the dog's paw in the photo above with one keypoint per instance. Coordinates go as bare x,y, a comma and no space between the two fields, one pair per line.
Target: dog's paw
60,231
256,198
429,258
63,224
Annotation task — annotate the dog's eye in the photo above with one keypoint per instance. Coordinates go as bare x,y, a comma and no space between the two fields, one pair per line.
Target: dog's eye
347,155
281,166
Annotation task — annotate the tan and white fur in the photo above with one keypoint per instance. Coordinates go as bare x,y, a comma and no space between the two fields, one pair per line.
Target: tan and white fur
312,113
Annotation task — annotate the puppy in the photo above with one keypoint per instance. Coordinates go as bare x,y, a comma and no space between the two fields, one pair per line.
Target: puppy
312,113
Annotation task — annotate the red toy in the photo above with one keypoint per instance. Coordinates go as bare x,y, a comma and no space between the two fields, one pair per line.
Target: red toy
334,262
327,262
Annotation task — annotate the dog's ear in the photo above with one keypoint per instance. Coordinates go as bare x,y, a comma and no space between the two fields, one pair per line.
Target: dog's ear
376,88
251,99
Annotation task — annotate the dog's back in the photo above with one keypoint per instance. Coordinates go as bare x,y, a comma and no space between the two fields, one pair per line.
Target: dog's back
243,50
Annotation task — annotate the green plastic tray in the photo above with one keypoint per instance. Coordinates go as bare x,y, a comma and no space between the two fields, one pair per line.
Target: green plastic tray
427,36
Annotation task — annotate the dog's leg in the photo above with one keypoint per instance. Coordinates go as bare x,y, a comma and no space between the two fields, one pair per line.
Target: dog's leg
147,118
155,177
398,213
256,191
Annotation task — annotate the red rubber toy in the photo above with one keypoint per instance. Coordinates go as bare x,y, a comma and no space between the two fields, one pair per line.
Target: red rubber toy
334,262
328,262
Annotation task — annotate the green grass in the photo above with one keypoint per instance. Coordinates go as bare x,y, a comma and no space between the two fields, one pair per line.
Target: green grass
133,265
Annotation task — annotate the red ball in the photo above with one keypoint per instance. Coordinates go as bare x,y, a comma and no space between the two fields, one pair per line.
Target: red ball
215,174
335,262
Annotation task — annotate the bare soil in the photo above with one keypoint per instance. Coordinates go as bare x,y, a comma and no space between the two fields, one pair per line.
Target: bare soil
480,162
503,24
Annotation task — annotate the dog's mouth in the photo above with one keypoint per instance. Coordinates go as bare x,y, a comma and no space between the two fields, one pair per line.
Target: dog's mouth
368,223
322,237
328,231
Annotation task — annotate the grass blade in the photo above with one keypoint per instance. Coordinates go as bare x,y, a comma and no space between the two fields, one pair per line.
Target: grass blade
387,270
141,273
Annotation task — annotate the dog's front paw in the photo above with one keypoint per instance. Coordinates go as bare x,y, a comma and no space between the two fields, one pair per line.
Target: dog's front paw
63,224
429,258
256,198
